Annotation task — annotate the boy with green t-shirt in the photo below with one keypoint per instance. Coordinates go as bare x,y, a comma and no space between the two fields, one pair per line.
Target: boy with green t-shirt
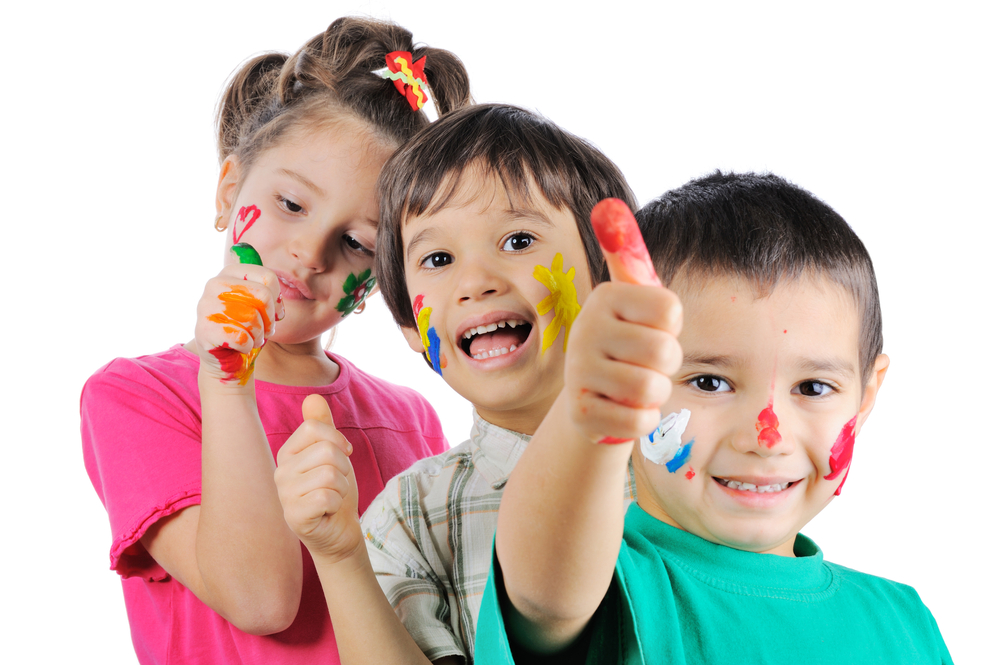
761,392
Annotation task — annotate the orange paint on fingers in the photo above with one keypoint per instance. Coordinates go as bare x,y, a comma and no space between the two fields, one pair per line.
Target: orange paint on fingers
243,312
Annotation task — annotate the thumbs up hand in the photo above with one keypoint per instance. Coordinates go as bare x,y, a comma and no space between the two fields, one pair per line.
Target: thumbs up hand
316,485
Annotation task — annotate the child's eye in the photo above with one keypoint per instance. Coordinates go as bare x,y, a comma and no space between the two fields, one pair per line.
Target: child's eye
289,205
436,260
353,243
711,384
813,389
518,242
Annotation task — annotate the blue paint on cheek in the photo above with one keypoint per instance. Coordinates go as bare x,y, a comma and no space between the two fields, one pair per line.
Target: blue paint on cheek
681,458
434,350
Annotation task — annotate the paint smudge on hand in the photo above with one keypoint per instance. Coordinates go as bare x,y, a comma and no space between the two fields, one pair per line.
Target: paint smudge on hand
357,288
664,443
246,254
842,453
562,298
767,426
246,211
622,244
242,312
428,335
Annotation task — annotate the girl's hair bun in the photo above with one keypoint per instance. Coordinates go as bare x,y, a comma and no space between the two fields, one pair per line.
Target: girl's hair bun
333,73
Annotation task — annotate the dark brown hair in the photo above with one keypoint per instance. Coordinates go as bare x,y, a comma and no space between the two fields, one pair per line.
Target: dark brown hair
329,76
763,229
519,147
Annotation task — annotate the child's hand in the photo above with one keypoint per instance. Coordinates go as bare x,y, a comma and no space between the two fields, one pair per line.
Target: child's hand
619,360
316,485
236,314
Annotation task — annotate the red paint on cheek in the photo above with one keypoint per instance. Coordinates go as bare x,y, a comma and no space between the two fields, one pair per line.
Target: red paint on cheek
246,211
418,304
767,427
842,453
690,473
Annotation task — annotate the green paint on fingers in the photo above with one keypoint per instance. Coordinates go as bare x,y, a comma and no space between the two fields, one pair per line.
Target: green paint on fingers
246,253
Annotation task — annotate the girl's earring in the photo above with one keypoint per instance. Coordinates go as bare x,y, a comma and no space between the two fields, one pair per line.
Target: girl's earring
220,226
360,308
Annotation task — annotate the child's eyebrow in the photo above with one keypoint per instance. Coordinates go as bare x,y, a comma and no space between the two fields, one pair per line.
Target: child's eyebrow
715,361
304,180
425,235
833,365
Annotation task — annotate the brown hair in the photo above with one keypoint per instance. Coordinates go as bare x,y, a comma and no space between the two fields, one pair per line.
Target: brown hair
763,229
514,144
332,74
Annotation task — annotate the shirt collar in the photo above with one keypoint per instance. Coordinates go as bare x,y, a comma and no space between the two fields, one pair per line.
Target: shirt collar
495,450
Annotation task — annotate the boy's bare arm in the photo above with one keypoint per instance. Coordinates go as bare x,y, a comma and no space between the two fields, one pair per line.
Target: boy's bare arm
560,522
319,494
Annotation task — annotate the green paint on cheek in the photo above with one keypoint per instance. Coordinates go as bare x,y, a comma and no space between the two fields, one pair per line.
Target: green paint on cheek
357,288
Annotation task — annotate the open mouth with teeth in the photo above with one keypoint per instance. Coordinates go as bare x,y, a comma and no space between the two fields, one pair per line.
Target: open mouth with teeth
749,487
495,339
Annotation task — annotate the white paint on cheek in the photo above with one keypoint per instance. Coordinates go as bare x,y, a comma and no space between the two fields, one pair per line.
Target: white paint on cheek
661,446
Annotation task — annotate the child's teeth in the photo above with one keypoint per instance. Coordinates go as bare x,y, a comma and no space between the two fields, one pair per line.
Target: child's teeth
493,353
750,487
501,324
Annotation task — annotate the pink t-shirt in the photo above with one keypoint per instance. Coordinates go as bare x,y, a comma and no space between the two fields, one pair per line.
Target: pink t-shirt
141,428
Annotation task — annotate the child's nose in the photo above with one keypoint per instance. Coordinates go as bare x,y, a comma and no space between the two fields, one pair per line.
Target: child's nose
760,431
311,248
479,278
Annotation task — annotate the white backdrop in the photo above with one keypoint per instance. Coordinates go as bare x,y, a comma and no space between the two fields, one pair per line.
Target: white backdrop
888,112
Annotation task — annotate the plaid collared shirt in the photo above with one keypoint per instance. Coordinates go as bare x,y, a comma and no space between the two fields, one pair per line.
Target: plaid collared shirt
430,536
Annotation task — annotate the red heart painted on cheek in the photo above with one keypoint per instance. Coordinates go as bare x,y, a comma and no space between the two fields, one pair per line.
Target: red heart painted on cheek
253,212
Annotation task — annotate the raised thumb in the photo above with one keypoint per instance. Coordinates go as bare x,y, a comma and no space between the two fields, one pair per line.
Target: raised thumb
315,407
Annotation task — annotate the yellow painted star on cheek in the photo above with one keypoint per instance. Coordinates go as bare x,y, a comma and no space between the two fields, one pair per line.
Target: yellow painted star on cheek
561,298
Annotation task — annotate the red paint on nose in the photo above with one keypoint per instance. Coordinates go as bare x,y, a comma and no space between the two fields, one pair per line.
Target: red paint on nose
842,453
767,427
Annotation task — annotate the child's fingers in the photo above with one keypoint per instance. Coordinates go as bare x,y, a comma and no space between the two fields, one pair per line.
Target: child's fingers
317,426
315,407
608,420
630,385
251,276
622,244
656,308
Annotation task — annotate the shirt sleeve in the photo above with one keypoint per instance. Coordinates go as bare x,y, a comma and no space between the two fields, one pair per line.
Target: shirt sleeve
397,537
598,644
142,451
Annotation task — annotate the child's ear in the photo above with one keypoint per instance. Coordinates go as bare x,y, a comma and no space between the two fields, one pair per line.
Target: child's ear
413,339
225,193
870,390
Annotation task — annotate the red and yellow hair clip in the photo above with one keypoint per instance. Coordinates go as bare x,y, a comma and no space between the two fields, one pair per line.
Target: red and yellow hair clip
407,76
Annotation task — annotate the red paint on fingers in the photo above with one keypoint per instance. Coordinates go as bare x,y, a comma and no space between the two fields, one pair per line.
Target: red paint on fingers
242,313
842,453
239,366
622,244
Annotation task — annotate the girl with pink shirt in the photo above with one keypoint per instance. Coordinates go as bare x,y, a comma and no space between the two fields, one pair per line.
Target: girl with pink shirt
180,445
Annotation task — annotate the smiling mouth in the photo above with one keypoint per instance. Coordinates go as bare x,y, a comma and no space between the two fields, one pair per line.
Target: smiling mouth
495,339
749,487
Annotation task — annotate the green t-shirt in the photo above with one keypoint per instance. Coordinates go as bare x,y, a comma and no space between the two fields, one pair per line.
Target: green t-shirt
677,598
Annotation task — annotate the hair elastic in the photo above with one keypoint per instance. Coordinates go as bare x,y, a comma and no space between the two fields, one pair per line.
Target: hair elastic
407,76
